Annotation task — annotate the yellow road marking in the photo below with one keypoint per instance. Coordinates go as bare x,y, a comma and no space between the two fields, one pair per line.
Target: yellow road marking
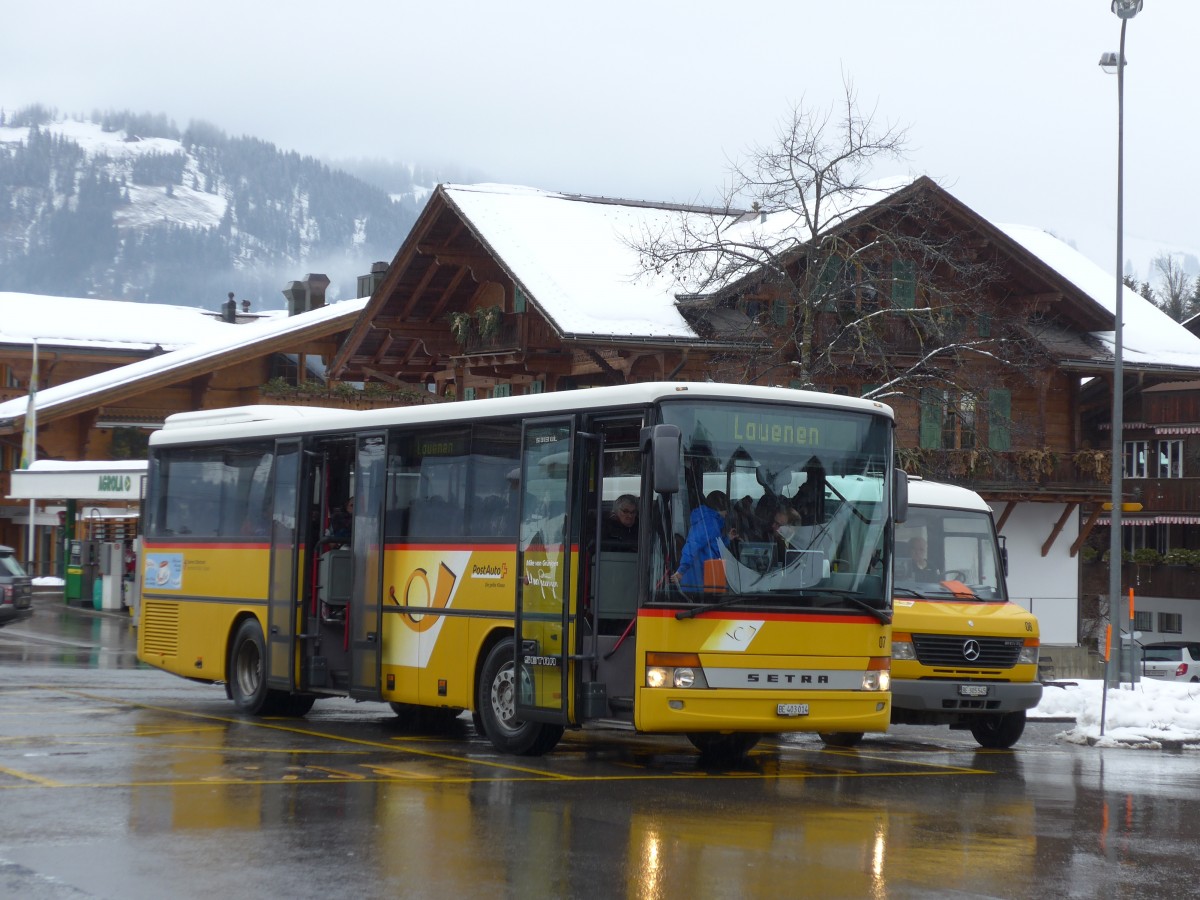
26,776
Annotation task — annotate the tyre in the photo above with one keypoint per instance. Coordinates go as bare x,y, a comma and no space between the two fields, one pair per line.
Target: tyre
295,705
247,671
999,732
497,704
841,738
724,749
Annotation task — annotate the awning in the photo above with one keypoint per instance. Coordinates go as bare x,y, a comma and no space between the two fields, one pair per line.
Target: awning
52,479
1151,520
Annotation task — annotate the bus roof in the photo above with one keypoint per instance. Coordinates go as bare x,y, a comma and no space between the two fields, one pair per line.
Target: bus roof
266,420
949,496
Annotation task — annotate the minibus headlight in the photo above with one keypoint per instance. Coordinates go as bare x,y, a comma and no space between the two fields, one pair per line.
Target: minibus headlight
1028,655
677,670
902,646
684,677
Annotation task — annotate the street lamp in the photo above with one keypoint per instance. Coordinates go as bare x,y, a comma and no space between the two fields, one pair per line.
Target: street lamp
1110,62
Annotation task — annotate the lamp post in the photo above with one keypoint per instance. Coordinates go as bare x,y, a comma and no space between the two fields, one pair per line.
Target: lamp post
1125,10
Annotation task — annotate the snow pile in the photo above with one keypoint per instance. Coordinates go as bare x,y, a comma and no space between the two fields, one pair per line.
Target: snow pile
1145,714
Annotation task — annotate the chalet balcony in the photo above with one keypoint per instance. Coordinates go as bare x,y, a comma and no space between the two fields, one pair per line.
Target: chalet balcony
999,471
1165,495
504,337
1159,580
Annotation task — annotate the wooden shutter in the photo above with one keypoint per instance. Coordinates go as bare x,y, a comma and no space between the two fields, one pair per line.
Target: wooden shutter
1000,419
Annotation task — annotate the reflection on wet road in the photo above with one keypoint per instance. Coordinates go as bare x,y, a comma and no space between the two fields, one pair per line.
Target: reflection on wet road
117,781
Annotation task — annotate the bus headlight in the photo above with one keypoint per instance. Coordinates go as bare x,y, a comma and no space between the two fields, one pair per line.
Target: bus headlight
678,670
902,646
1028,655
879,676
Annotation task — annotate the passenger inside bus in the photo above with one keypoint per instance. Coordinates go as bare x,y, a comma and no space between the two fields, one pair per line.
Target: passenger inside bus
706,535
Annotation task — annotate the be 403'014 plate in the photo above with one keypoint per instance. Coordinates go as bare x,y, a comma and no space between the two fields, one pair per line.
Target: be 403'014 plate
973,690
791,709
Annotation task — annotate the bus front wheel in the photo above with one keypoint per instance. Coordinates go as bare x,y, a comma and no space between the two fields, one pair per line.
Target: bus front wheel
841,738
247,672
497,707
724,749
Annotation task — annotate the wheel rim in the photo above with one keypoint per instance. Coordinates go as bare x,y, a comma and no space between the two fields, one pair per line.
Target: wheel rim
249,669
503,695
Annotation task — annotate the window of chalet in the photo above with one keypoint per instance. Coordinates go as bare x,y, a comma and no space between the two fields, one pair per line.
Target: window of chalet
1170,459
948,420
1170,623
830,284
904,283
1137,459
1143,620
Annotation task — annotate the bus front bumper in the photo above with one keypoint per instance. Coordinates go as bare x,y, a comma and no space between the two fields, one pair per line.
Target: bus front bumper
772,712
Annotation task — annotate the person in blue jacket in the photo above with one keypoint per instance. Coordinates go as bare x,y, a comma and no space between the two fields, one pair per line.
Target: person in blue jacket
706,534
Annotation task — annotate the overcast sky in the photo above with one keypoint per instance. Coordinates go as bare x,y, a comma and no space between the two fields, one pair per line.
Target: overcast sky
1005,102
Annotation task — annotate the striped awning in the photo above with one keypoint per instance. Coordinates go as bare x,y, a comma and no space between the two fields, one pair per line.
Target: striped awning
1151,520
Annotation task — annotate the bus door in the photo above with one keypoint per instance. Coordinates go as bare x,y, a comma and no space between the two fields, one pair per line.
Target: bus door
366,548
544,603
283,594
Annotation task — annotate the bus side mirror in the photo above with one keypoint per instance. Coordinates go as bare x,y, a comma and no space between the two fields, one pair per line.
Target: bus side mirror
664,442
900,496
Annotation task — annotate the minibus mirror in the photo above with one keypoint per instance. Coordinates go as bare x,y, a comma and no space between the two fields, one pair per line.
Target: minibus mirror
665,441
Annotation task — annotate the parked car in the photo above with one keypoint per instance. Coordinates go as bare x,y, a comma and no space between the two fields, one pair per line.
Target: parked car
1172,661
16,588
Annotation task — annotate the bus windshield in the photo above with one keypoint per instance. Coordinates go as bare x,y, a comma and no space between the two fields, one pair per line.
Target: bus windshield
778,506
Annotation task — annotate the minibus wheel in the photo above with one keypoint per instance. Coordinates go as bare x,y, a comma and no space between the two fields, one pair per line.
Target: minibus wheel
247,670
999,732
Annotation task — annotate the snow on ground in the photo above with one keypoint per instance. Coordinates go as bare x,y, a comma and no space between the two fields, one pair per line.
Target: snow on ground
1146,714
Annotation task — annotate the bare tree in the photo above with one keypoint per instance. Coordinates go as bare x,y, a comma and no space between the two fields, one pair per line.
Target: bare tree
834,271
1174,293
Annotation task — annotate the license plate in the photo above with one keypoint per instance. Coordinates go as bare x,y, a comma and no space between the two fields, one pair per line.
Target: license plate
792,709
973,690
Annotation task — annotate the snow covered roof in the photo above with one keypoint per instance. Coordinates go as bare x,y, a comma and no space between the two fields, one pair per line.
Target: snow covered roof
103,324
572,256
1150,337
275,335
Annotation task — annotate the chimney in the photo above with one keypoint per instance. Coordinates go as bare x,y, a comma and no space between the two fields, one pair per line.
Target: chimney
316,290
245,306
229,310
369,284
306,295
297,297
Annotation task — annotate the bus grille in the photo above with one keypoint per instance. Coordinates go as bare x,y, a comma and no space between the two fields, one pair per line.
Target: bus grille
160,628
953,650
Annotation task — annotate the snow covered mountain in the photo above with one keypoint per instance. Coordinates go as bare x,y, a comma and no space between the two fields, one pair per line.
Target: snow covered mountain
125,206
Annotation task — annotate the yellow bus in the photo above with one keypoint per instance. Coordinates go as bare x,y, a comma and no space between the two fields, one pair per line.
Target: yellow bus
481,568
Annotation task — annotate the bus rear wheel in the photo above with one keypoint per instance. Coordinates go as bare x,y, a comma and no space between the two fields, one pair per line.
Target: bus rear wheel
841,738
999,732
497,706
724,749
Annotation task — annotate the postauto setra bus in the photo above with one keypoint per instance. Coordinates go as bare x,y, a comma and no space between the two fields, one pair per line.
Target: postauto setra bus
477,570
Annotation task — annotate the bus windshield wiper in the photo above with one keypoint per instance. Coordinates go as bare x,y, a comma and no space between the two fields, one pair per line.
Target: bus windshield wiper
882,615
692,612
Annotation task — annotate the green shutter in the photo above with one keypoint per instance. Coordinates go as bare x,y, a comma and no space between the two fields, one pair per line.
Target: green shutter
779,312
983,325
828,282
904,284
536,387
468,393
1000,419
502,390
932,412
867,388
518,301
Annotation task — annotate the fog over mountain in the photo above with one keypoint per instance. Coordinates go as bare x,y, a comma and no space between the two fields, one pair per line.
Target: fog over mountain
127,206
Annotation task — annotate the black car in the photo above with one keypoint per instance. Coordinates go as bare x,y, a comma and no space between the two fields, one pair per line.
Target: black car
16,588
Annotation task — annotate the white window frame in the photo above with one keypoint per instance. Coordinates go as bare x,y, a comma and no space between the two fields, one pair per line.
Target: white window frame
1170,459
1137,459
